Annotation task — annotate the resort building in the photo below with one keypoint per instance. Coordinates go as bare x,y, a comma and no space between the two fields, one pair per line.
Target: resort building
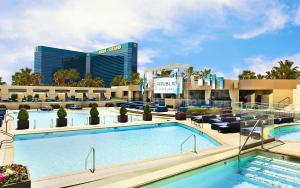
106,63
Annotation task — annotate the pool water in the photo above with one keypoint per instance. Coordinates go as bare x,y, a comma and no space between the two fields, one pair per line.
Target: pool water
62,152
43,119
256,171
289,132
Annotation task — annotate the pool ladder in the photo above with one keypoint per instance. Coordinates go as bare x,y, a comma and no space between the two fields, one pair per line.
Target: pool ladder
92,151
195,143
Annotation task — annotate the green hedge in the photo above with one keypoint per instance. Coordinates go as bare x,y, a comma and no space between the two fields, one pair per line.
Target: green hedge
197,111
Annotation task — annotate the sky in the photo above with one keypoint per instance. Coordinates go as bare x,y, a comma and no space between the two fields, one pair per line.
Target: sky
227,36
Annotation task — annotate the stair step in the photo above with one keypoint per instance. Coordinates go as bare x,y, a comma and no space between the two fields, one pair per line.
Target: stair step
268,173
286,163
272,183
275,167
246,184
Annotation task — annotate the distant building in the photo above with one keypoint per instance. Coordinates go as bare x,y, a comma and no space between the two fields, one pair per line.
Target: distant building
106,63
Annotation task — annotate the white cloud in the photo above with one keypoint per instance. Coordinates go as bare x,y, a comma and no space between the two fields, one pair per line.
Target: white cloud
146,56
273,20
194,44
297,18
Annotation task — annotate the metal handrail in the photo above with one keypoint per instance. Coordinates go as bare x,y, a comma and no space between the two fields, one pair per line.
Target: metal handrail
92,150
6,133
241,148
192,135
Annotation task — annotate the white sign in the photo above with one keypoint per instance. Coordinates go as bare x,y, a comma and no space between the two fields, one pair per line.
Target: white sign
168,85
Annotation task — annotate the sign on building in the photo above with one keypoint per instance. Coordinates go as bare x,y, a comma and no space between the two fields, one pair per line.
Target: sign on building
168,85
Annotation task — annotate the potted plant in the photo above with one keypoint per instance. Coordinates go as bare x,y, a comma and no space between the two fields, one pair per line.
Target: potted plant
147,116
23,122
94,119
14,176
14,97
29,98
61,121
180,116
123,118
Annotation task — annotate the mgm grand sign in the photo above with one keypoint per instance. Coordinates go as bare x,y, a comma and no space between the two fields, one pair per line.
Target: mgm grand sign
111,49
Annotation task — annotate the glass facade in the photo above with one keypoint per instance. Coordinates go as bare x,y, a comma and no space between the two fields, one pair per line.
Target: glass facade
106,63
47,60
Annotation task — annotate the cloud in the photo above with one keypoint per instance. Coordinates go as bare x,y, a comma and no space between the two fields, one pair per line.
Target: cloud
274,19
297,18
194,44
146,56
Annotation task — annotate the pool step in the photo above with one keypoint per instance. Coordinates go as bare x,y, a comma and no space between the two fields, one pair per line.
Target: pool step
272,172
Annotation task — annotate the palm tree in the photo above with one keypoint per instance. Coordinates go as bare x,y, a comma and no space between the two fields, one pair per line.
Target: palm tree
286,70
59,77
165,72
204,73
271,74
247,74
72,75
260,76
1,82
135,79
26,77
119,81
98,82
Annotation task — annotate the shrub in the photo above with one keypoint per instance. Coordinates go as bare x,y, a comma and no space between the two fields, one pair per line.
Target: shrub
180,116
93,104
23,115
214,110
109,104
14,96
26,106
147,109
61,113
123,111
13,173
94,112
36,96
2,106
55,106
57,98
148,100
197,111
73,97
29,97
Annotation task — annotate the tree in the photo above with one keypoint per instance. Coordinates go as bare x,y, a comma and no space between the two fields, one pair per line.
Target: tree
71,76
26,77
285,70
87,81
204,73
260,76
2,82
98,82
135,79
247,74
59,77
119,81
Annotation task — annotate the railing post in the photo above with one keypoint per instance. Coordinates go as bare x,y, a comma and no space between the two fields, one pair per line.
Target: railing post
195,144
34,124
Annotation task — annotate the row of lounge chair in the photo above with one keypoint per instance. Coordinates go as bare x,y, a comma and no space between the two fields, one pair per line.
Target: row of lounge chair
139,105
234,122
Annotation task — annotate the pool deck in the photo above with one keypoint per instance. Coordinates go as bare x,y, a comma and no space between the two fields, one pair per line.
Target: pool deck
140,172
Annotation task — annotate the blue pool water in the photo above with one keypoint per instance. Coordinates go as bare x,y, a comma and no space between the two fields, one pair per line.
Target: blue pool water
256,171
75,118
55,153
289,132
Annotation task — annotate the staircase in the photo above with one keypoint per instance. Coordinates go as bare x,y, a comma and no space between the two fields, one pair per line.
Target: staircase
268,172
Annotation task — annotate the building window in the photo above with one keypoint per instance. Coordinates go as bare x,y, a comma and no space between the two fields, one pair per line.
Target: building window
125,93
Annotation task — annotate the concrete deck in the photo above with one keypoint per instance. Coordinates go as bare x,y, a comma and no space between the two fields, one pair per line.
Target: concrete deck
139,172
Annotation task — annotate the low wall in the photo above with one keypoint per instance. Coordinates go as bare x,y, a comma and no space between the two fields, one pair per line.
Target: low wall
36,105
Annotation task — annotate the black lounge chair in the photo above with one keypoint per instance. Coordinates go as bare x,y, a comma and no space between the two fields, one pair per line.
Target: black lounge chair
230,127
46,108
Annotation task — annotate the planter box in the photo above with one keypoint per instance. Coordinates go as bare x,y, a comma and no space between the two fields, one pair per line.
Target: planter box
147,117
123,119
180,116
94,120
23,124
24,184
61,122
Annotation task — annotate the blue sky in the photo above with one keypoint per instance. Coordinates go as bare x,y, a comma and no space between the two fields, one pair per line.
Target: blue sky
224,35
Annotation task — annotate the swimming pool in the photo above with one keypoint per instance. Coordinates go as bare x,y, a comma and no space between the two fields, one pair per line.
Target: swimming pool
42,119
288,132
63,152
256,171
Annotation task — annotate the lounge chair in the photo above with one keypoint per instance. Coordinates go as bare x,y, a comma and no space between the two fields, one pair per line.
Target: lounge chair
230,127
46,108
161,109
